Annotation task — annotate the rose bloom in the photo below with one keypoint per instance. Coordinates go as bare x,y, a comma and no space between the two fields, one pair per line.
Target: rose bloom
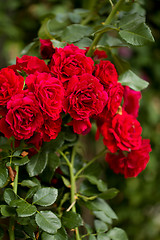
81,126
31,64
105,71
48,91
123,131
84,97
131,164
69,61
46,48
131,101
10,84
50,129
24,116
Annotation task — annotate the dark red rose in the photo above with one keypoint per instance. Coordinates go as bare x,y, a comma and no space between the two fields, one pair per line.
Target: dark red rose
50,129
105,71
48,91
46,48
131,164
131,101
31,64
99,54
81,126
122,132
69,61
84,97
10,84
24,116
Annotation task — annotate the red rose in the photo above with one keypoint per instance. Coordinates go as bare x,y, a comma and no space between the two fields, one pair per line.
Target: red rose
131,101
10,84
115,94
24,116
99,54
31,64
121,132
48,91
50,129
69,61
81,126
131,164
46,48
84,97
105,71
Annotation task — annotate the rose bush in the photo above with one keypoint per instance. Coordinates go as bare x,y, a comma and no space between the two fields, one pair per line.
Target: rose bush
45,105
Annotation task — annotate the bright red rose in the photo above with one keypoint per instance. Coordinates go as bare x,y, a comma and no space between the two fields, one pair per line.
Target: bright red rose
99,54
24,116
84,97
122,132
69,61
105,71
131,164
115,94
81,126
31,64
48,91
10,84
50,129
46,48
131,101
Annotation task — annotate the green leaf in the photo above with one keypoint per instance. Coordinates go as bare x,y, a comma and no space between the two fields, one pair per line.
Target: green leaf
71,220
24,209
101,185
129,19
100,205
29,48
93,169
54,144
76,32
88,189
52,164
66,182
60,235
43,32
48,221
31,192
20,161
37,163
9,195
58,44
28,183
100,226
130,79
92,237
117,234
30,230
7,211
45,196
102,216
102,236
109,194
83,43
3,176
74,17
137,34
23,221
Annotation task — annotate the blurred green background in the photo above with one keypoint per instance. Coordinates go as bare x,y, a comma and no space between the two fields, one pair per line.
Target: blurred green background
138,204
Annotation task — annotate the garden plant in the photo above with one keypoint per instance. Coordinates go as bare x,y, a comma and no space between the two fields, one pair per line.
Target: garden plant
69,84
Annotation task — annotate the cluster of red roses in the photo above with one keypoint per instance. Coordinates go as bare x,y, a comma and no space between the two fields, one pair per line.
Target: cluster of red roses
33,96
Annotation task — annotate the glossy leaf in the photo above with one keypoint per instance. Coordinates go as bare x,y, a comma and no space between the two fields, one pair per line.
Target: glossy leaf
3,175
102,236
83,43
37,164
7,211
20,161
130,79
109,194
48,221
25,209
45,196
102,216
9,195
28,183
71,220
101,185
60,235
58,44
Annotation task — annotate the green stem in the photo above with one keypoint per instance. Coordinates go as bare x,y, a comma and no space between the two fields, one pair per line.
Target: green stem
90,162
11,224
107,22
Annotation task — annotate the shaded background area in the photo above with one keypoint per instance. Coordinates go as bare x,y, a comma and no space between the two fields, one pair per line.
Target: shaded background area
138,204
